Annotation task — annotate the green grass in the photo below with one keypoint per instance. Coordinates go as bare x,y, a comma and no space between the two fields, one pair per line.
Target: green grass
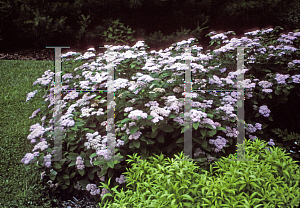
18,187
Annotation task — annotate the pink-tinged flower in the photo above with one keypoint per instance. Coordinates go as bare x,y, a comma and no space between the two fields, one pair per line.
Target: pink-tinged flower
296,78
267,90
135,136
264,111
121,180
104,191
220,142
80,163
31,95
34,113
41,145
271,142
296,61
134,114
252,137
28,157
127,109
47,160
37,131
93,189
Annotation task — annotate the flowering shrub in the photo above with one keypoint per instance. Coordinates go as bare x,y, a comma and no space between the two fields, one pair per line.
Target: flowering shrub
271,179
149,115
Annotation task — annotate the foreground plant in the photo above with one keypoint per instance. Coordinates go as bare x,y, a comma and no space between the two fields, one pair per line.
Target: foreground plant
149,112
270,180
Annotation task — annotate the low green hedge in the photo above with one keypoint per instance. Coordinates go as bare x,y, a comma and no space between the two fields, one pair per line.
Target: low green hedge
269,180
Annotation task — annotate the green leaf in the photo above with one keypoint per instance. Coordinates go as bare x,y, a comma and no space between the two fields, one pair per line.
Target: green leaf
73,148
153,134
53,172
67,182
87,163
72,156
71,134
204,143
81,172
172,116
167,128
56,165
64,187
110,164
125,120
72,175
117,166
220,128
154,127
196,125
73,162
161,139
110,173
175,134
83,183
136,143
180,140
203,132
210,115
92,125
133,129
65,176
131,145
212,132
91,175
149,141
171,147
74,128
93,155
52,177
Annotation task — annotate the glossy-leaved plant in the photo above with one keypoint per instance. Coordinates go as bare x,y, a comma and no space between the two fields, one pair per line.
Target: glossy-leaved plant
270,180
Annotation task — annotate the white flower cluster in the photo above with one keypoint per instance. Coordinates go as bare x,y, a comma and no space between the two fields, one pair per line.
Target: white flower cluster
156,112
230,132
220,142
121,180
47,160
85,111
134,114
94,143
93,189
196,115
159,90
264,111
80,163
41,145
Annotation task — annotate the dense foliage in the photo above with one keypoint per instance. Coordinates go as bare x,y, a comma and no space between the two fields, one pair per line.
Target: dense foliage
41,23
271,179
145,130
